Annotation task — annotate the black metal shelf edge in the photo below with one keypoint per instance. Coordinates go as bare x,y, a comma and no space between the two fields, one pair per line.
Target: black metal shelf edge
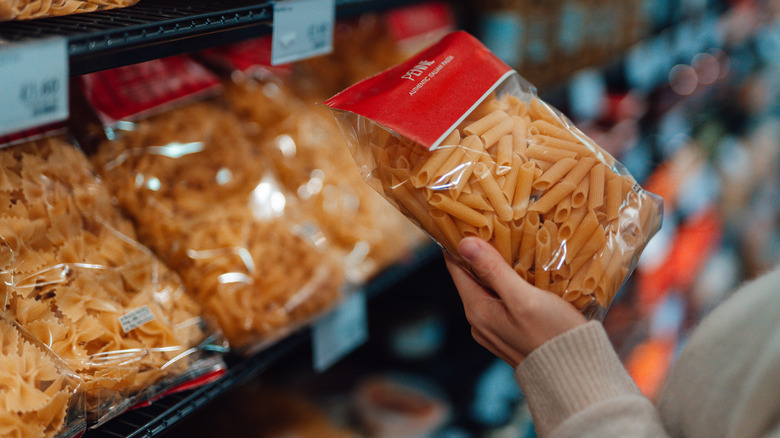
161,415
156,28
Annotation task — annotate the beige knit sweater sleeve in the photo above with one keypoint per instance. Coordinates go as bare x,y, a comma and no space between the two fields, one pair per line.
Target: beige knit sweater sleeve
726,382
576,387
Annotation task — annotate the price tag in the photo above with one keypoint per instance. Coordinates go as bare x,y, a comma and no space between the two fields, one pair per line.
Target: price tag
136,318
33,84
302,29
340,332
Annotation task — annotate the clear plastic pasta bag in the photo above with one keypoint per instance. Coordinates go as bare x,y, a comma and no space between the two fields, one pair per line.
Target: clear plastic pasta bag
29,9
202,199
76,278
462,145
40,396
310,158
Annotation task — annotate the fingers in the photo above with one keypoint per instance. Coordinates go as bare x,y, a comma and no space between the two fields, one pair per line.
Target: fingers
471,292
493,348
490,266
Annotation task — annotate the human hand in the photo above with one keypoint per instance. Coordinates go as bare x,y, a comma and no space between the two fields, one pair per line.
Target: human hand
516,320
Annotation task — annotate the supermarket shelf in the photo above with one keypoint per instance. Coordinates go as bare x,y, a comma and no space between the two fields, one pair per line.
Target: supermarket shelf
154,29
161,415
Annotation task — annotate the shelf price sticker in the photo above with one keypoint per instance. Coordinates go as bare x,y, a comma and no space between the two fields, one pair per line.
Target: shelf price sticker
302,29
33,84
340,332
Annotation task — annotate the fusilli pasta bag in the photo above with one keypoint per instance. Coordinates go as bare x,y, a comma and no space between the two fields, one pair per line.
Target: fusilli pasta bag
461,144
30,9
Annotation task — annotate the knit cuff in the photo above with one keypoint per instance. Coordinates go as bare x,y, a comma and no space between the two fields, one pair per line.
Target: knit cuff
571,372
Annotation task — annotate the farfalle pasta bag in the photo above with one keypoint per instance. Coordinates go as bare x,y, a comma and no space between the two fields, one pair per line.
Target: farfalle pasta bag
463,146
207,203
40,395
309,156
75,277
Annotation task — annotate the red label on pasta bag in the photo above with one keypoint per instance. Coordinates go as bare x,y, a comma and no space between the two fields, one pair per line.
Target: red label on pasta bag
250,57
137,90
426,96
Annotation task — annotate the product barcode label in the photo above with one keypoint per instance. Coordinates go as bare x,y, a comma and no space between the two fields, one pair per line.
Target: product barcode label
340,332
136,318
34,85
302,29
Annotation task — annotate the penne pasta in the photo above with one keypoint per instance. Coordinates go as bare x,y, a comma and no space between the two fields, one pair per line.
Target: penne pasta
562,210
578,148
458,210
510,182
540,111
451,233
542,127
502,239
552,197
482,125
537,189
504,155
546,153
405,197
520,136
542,257
520,202
551,176
581,235
452,139
580,195
493,192
475,201
580,170
474,149
516,234
596,186
513,104
614,196
528,244
494,134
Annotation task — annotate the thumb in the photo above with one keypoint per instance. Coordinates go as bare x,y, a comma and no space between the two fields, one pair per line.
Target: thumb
488,264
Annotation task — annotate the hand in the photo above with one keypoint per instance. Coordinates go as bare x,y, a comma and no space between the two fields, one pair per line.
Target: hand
519,317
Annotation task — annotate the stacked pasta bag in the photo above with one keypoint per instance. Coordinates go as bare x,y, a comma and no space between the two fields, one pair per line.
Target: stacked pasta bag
76,278
29,9
39,395
308,154
461,144
204,200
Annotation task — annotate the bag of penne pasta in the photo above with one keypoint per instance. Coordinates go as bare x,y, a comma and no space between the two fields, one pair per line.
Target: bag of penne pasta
463,146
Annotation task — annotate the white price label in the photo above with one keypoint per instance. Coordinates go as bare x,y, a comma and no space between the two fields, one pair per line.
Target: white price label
340,332
136,318
302,29
33,84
